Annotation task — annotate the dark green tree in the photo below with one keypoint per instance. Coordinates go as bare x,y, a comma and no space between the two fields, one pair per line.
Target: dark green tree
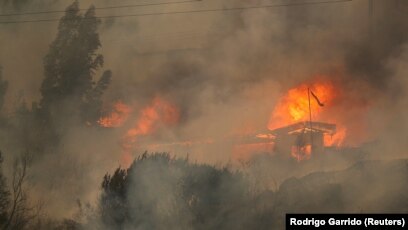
69,89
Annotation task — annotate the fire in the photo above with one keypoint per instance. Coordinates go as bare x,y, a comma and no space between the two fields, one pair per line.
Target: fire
337,139
301,153
297,105
159,112
291,110
117,117
294,106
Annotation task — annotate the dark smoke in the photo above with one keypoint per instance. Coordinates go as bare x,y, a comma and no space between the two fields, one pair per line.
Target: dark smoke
225,72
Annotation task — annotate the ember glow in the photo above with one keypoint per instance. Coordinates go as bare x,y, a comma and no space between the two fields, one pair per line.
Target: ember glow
301,153
119,115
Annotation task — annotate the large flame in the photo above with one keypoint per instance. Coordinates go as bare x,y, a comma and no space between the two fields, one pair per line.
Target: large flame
117,117
298,105
159,112
294,106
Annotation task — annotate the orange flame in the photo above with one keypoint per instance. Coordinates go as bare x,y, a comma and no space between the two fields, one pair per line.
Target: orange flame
117,117
336,139
301,153
294,106
158,112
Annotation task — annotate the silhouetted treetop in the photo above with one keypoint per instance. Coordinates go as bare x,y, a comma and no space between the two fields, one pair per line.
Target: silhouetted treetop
70,66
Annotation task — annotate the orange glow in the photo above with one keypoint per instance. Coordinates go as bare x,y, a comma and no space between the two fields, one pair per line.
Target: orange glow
117,117
159,112
294,106
301,153
336,139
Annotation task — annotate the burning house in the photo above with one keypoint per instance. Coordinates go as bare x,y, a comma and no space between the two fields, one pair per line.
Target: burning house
302,138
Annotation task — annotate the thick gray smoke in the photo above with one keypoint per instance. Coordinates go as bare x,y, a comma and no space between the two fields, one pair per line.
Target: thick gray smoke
224,71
